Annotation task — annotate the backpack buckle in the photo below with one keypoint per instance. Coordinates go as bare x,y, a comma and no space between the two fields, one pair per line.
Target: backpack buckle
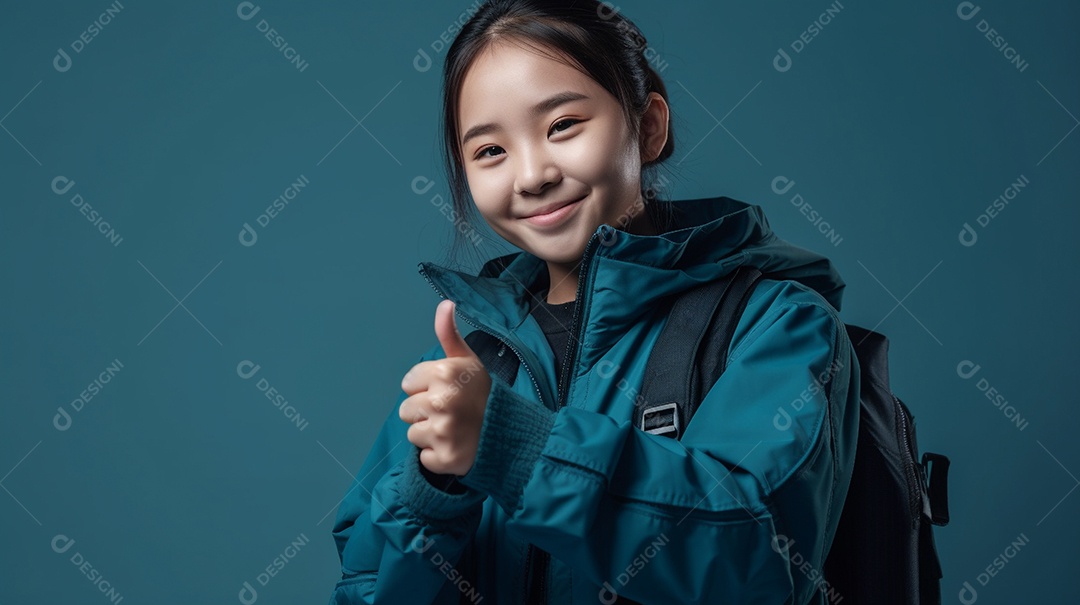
661,419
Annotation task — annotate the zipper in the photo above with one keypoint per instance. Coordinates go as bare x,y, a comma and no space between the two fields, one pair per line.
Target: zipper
536,567
530,573
570,358
909,465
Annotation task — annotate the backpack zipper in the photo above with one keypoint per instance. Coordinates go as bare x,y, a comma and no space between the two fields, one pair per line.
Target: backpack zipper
909,463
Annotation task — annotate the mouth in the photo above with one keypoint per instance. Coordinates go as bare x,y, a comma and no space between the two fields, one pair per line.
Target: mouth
555,213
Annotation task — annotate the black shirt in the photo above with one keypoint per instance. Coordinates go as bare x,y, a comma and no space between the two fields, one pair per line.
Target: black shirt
555,321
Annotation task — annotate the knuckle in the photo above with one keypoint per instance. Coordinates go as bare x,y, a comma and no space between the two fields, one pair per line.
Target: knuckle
427,460
441,426
445,372
442,457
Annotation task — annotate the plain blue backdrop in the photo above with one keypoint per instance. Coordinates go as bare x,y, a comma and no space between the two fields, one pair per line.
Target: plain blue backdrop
139,139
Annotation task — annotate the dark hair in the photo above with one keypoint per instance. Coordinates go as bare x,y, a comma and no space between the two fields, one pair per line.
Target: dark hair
606,46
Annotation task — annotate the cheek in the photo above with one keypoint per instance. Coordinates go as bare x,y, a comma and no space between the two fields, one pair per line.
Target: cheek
628,161
602,157
489,191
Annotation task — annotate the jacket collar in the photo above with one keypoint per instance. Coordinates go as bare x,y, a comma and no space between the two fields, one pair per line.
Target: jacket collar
623,274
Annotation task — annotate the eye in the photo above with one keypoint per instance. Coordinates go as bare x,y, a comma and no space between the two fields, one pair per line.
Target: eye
483,152
568,123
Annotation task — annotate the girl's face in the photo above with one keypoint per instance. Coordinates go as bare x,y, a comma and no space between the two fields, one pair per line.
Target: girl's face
537,134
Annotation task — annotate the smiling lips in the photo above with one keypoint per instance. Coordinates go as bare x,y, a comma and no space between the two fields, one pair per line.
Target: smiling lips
553,214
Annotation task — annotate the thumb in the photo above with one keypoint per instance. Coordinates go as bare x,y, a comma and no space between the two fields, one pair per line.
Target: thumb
446,330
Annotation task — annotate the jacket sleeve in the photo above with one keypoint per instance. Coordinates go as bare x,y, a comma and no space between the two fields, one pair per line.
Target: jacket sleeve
759,476
398,537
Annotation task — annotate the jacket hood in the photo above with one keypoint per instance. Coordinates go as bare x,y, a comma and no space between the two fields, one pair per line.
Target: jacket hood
623,275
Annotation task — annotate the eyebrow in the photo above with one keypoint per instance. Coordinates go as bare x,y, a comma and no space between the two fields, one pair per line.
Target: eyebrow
540,108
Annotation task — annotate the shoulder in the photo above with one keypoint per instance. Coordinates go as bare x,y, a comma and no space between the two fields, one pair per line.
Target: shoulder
787,309
779,292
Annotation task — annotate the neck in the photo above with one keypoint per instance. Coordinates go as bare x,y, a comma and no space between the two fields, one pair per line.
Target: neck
563,278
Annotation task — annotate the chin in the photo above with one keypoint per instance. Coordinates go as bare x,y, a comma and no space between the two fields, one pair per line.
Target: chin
559,252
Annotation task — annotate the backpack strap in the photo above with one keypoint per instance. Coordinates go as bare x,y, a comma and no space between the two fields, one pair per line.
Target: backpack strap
700,325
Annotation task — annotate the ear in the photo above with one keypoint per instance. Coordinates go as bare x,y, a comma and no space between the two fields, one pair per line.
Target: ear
654,127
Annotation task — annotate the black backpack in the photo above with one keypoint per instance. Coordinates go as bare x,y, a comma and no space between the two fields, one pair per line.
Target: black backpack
883,551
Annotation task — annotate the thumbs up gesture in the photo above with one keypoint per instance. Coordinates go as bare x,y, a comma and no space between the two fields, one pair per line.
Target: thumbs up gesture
447,400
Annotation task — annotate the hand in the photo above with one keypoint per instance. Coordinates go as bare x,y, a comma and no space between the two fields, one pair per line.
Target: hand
447,400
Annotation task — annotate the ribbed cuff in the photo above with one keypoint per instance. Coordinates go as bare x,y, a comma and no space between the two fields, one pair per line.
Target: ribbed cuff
429,502
446,483
511,438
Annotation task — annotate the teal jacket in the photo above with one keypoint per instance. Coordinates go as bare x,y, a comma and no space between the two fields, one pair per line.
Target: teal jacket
742,510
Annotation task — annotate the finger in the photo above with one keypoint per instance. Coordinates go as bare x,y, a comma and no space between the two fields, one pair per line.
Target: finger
431,461
418,378
426,374
447,332
413,410
419,434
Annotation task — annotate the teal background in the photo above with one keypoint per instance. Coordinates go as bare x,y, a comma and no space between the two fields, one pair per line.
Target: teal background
180,481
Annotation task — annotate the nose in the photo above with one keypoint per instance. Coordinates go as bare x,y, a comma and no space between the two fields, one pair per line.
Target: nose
536,172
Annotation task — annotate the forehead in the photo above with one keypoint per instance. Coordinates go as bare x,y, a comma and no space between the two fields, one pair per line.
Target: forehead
507,77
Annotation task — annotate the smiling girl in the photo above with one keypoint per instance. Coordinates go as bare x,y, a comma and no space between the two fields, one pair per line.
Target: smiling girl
544,489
